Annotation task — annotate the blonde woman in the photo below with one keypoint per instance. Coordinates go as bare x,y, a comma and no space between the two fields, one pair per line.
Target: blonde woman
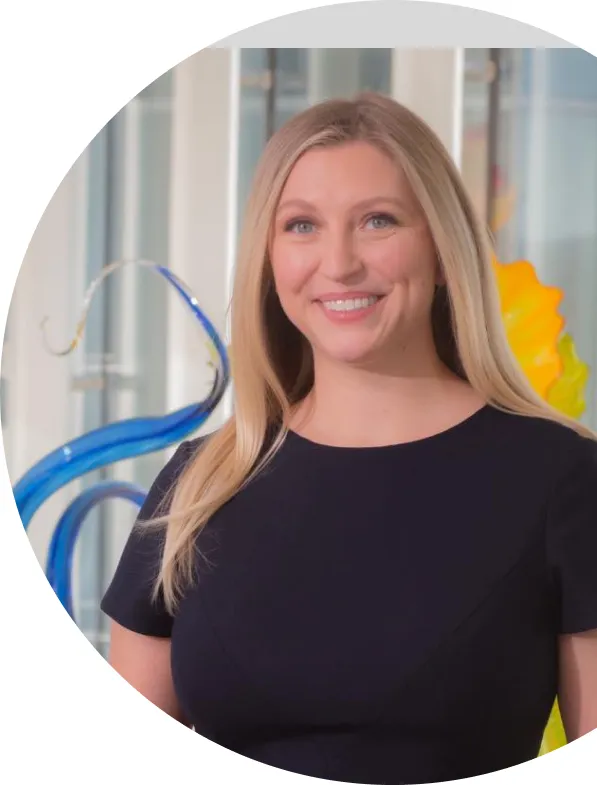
383,567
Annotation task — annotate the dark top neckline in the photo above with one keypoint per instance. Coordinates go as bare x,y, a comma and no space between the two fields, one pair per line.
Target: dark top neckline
441,437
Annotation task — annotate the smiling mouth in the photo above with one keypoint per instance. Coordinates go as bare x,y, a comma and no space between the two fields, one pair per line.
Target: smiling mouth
350,303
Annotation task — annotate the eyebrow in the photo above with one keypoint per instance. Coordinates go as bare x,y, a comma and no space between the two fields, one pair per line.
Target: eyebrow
304,205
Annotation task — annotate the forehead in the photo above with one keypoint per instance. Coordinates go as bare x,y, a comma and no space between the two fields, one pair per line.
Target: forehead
350,171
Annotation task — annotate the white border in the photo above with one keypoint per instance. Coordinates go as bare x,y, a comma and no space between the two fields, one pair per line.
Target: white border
68,67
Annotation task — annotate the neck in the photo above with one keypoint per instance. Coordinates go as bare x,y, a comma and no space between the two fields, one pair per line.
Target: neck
363,406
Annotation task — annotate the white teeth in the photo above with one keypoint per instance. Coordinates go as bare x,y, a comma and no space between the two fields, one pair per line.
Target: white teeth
350,305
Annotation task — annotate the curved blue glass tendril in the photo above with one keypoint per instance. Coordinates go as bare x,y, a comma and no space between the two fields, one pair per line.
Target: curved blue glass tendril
59,564
107,445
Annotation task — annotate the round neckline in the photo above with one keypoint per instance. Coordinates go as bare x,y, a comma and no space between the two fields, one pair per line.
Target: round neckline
435,438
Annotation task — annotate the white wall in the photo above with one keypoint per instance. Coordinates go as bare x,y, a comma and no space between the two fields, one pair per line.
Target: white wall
40,414
430,82
203,212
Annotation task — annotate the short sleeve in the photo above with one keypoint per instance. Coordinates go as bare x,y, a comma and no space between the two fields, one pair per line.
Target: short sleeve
572,540
128,599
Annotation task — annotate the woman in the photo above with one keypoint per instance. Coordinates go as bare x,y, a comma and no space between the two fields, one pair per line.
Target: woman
381,569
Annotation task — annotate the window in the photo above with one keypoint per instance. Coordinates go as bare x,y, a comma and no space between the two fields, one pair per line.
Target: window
532,135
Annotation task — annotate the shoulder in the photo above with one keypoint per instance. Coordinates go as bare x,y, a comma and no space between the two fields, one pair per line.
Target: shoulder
533,437
571,529
187,450
576,466
533,455
563,458
163,484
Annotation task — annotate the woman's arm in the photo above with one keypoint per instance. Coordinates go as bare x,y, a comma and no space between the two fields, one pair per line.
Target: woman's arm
144,662
577,695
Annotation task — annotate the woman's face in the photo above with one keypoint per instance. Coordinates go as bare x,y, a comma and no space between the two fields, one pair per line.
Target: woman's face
353,260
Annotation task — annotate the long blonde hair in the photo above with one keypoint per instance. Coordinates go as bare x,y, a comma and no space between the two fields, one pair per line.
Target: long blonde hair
271,362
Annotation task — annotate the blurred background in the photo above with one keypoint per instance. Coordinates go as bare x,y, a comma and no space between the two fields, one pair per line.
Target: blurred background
166,180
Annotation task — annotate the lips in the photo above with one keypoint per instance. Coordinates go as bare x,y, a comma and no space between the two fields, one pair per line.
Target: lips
351,304
346,296
343,309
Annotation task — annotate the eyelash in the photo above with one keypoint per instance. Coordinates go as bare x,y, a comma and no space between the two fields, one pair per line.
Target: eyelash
384,216
290,225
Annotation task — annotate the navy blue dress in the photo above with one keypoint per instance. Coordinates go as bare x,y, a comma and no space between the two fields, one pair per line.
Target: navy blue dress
388,614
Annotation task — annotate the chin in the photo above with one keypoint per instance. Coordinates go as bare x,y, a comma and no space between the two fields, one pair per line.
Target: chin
349,355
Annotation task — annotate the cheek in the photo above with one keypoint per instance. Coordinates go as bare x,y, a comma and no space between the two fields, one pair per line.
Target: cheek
404,259
292,268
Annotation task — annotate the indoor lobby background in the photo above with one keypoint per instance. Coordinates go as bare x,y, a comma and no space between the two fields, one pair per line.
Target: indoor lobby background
166,180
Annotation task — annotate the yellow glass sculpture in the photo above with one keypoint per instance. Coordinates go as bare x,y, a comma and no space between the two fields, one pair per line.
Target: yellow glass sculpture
533,324
567,393
554,735
535,331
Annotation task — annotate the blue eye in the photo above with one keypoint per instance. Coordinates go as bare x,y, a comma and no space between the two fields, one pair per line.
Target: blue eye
299,226
381,221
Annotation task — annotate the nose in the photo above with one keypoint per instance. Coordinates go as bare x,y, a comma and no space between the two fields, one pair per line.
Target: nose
340,260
